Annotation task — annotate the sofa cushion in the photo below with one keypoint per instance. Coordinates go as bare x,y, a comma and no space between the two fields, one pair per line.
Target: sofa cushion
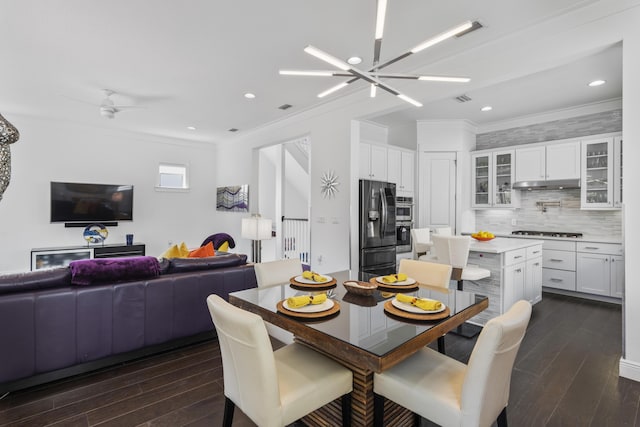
218,239
181,265
92,271
35,280
176,251
203,251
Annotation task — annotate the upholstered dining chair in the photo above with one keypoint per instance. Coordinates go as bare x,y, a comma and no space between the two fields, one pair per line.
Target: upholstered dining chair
274,273
273,389
430,274
450,393
420,241
443,231
277,272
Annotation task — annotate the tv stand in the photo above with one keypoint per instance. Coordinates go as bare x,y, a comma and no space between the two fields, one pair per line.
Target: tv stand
62,256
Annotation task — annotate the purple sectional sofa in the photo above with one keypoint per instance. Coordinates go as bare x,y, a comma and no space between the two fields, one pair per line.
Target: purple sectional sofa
57,323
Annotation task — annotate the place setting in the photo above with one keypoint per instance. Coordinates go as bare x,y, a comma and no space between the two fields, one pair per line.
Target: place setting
395,282
309,307
415,308
312,280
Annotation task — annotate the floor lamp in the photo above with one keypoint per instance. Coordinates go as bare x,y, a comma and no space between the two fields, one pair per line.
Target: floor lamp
256,229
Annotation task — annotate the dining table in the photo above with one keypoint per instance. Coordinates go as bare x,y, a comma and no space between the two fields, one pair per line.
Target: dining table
365,333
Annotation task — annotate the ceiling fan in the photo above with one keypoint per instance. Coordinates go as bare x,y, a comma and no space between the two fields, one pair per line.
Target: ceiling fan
108,108
374,74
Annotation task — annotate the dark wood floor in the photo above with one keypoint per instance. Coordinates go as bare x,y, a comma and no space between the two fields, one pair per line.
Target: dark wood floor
566,374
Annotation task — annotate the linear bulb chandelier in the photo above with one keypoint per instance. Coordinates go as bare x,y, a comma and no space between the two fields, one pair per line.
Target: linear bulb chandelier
374,74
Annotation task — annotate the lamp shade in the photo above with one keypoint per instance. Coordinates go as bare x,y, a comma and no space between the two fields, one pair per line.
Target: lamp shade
256,228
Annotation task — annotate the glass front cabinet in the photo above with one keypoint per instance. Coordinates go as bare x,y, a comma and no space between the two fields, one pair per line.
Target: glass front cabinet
599,190
492,178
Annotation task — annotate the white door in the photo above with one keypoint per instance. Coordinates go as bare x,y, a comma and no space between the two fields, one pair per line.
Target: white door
437,190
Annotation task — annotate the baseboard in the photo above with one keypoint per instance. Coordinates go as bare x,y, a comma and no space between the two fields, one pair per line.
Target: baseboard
629,369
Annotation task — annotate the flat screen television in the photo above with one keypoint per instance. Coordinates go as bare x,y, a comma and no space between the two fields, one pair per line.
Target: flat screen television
79,202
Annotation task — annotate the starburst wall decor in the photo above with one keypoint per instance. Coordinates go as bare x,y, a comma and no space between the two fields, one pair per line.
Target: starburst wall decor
329,184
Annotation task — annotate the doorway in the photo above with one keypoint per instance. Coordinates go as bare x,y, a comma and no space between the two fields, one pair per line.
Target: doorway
284,188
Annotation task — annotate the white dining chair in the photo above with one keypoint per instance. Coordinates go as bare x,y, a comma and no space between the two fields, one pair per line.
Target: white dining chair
420,241
273,389
430,274
450,393
443,231
454,250
274,273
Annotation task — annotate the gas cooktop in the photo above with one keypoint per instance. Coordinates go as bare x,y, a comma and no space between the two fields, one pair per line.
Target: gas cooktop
547,233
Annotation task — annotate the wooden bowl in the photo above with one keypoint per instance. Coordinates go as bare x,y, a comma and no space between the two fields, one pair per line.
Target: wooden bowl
359,288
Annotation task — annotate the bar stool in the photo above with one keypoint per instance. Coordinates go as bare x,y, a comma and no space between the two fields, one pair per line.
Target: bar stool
454,250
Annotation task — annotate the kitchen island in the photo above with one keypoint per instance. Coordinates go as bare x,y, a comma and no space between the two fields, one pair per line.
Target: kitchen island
516,273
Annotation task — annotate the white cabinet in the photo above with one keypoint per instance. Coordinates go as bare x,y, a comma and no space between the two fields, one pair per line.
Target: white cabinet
600,269
373,162
617,276
617,172
492,177
559,265
533,279
596,189
401,170
514,282
548,162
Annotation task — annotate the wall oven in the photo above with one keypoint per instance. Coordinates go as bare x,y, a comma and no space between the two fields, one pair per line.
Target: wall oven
404,209
404,222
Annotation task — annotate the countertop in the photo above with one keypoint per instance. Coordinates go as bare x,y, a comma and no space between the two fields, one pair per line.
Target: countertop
584,238
502,244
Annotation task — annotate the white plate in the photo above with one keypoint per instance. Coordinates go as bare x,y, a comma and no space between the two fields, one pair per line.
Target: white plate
301,279
409,281
413,309
311,308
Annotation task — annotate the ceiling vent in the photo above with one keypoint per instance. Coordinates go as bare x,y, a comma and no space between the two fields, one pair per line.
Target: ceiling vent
474,26
233,130
285,106
463,98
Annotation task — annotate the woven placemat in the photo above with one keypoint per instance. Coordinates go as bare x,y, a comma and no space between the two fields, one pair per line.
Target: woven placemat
333,310
312,286
393,288
391,309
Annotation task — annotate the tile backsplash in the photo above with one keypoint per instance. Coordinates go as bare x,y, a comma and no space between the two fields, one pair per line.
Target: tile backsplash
568,217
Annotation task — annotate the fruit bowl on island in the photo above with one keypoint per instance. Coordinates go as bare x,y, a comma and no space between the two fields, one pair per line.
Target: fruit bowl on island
483,236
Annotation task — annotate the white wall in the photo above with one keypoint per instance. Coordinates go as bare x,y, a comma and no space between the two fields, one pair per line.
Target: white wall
53,151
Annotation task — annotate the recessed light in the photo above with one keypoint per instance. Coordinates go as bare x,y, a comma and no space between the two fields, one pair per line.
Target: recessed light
249,95
354,60
486,108
597,83
191,128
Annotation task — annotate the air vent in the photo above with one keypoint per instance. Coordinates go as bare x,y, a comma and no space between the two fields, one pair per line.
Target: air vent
463,98
233,130
474,26
285,106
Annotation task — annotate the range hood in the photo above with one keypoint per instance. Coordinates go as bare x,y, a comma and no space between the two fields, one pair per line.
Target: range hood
559,184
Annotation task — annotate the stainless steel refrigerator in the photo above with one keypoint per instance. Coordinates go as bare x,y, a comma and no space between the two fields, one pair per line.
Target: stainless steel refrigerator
377,228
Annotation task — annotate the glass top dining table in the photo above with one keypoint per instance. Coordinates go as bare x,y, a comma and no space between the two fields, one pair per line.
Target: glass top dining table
362,326
361,335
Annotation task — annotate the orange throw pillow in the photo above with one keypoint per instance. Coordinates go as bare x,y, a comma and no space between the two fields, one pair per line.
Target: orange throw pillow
203,252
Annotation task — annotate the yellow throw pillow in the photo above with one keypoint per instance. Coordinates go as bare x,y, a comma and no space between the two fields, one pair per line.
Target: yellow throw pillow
224,247
172,252
184,251
176,251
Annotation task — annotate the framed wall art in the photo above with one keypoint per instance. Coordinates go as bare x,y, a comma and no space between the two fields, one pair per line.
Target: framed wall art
234,198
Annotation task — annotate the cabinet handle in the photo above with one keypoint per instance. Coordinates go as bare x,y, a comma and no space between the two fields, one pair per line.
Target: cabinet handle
536,252
613,260
555,260
519,270
555,280
592,247
537,263
518,256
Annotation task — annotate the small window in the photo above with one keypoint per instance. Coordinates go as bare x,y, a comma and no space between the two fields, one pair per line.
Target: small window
172,177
